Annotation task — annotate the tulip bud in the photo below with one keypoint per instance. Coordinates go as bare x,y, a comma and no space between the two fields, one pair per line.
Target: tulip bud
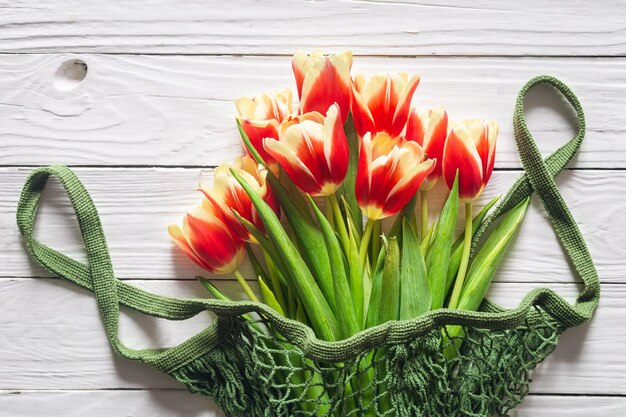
389,174
207,240
381,103
323,80
228,194
313,151
429,128
470,149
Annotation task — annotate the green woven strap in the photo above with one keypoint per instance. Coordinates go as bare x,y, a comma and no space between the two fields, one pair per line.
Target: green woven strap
110,292
539,177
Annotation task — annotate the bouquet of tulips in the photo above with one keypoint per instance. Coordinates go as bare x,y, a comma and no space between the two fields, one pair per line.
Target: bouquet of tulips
305,202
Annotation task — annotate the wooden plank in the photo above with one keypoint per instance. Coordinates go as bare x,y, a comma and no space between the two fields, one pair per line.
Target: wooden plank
570,406
371,27
52,337
152,403
177,110
176,403
137,204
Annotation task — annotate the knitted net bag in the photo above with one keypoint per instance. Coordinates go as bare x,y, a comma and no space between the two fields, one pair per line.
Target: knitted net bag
443,363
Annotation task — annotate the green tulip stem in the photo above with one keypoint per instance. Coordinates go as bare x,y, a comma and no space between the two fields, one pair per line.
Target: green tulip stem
376,239
244,285
467,244
341,225
365,240
328,212
424,213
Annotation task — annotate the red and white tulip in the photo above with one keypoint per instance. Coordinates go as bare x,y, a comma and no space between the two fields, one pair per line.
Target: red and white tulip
228,194
260,117
323,80
470,149
207,240
381,103
429,128
389,174
313,151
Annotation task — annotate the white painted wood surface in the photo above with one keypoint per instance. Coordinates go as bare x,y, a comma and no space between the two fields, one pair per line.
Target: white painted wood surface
178,110
155,113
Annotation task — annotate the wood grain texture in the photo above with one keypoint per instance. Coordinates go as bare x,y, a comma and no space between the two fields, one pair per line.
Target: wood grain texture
176,403
407,27
52,337
155,112
178,110
137,204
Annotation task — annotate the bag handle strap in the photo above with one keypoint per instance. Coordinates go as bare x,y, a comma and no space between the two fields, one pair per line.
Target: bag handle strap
97,275
539,178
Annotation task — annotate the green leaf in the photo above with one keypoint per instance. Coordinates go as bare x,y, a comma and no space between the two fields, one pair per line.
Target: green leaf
425,245
256,265
377,288
221,296
347,189
212,289
389,308
269,298
351,222
266,244
486,261
439,253
457,247
246,141
309,238
313,300
355,277
408,211
343,299
277,281
415,296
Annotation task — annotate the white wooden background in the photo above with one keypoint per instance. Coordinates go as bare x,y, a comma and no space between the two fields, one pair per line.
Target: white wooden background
154,113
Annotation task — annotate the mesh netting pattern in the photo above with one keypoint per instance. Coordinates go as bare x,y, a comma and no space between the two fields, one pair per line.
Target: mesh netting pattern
451,371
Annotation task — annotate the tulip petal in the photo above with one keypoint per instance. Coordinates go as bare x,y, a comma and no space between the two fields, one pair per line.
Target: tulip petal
417,124
336,149
389,174
299,173
381,97
299,64
382,102
177,235
212,241
257,131
461,154
492,136
402,106
326,81
362,117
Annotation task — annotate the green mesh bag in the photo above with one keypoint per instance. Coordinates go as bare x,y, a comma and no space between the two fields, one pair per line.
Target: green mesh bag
274,366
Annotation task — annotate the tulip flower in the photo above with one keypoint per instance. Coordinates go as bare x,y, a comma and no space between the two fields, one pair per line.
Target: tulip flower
228,194
313,151
260,117
389,174
207,241
323,80
381,103
469,151
429,128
